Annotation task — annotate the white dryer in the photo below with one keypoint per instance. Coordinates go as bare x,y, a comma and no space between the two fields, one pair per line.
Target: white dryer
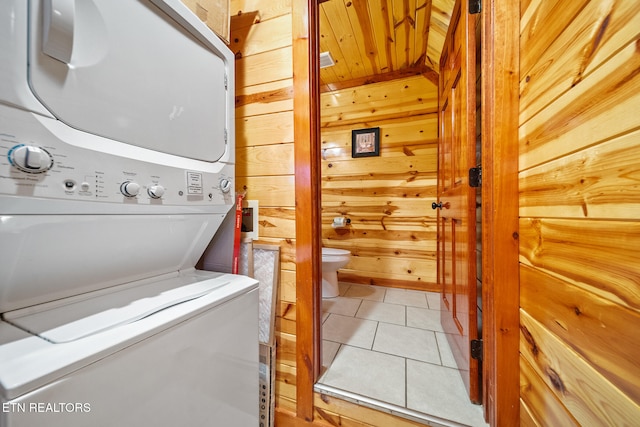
116,170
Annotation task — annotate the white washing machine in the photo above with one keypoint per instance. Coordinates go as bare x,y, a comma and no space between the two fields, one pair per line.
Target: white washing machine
116,170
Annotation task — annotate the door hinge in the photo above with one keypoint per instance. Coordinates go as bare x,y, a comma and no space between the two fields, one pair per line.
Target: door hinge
226,82
475,6
476,349
475,177
226,136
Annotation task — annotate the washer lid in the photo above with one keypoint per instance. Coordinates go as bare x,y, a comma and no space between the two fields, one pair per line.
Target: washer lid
129,72
88,316
28,362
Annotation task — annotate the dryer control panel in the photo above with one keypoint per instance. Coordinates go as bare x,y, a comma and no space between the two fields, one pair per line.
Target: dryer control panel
36,162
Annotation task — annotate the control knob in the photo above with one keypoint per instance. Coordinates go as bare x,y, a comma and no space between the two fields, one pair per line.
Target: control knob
225,185
130,188
155,191
30,159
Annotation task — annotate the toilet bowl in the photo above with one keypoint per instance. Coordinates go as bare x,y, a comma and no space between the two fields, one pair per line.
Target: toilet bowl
332,260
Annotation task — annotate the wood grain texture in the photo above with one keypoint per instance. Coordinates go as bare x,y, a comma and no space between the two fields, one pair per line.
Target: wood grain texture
541,24
595,327
411,96
264,67
586,114
285,383
589,397
307,202
337,412
261,37
272,191
526,418
265,35
264,129
579,206
264,10
500,77
596,31
456,267
287,287
270,103
276,223
538,404
597,182
265,160
600,256
402,138
392,232
369,39
214,13
265,98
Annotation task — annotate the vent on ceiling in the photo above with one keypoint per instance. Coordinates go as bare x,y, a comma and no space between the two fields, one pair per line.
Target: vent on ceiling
326,60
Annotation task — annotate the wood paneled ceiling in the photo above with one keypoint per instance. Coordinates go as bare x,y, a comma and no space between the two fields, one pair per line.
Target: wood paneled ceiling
376,40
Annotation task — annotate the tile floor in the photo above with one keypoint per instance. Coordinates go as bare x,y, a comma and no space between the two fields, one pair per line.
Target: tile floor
387,346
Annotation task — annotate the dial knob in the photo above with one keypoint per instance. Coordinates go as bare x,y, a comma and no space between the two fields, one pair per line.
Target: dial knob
30,159
155,191
130,188
225,185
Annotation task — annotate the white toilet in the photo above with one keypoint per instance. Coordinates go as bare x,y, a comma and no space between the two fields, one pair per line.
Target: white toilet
332,260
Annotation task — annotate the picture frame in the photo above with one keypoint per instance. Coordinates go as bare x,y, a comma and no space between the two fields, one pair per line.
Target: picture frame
365,142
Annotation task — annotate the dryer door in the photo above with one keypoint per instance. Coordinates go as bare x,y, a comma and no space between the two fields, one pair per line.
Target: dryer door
129,72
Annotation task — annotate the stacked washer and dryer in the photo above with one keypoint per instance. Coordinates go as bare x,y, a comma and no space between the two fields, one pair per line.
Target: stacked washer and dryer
116,169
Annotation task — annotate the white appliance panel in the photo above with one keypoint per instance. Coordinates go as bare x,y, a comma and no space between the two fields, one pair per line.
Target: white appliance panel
89,168
14,88
116,169
166,91
180,366
61,322
48,257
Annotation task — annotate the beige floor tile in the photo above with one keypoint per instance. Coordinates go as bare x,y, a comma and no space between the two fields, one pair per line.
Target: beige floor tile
433,299
341,305
406,297
445,351
439,391
349,330
424,318
376,375
410,366
412,343
382,312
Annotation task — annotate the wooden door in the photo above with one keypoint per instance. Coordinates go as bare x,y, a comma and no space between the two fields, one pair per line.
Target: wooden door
456,213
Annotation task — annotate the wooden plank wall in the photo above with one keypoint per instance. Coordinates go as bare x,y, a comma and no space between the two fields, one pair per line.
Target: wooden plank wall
261,40
580,213
215,13
392,236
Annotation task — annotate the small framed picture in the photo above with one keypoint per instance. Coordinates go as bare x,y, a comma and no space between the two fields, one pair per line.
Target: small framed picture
365,142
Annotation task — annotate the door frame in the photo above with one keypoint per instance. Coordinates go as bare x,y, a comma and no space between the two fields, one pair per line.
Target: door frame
500,89
500,245
306,128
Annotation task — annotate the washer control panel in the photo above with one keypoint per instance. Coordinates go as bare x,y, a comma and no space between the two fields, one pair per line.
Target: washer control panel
63,171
